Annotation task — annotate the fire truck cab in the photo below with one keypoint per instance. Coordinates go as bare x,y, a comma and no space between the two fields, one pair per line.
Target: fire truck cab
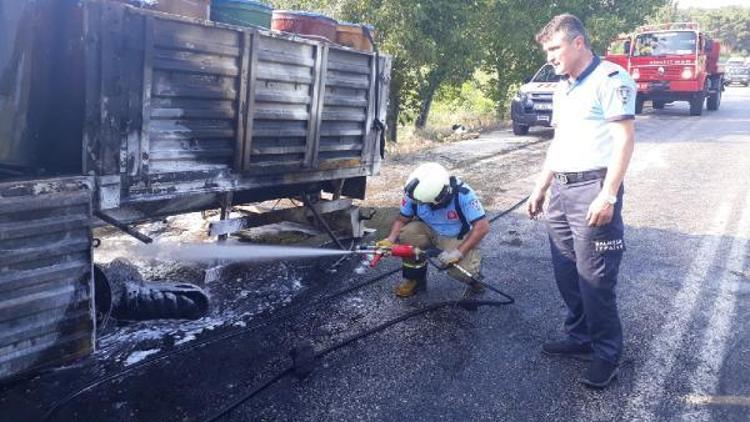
675,62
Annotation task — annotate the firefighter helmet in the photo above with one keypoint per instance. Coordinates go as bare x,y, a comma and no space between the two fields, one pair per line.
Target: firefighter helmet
429,183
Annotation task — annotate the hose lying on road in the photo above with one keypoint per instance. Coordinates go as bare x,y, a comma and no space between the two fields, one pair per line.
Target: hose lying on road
286,313
303,359
304,356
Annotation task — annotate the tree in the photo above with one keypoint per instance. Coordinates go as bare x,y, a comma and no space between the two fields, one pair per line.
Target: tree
730,25
512,53
454,51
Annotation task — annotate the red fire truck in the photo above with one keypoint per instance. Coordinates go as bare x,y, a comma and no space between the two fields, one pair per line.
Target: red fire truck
674,62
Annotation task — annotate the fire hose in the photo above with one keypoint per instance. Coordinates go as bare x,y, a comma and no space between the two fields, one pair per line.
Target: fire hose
375,253
304,355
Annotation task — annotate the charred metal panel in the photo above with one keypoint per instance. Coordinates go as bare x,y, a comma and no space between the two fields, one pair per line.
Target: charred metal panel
192,74
16,46
346,111
283,84
180,97
46,287
179,107
40,87
377,139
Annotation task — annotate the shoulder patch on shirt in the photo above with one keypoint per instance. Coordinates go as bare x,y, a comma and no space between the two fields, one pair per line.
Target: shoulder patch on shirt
615,73
475,205
623,93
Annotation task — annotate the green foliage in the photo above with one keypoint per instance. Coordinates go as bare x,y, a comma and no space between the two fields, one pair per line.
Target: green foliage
730,25
437,46
466,104
512,53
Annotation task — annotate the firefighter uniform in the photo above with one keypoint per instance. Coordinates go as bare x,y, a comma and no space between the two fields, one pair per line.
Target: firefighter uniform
586,259
442,227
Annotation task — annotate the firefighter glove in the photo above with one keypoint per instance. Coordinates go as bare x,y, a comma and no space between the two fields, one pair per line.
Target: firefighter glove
450,257
384,243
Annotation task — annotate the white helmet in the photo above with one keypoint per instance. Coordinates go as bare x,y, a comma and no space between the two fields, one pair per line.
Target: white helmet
429,183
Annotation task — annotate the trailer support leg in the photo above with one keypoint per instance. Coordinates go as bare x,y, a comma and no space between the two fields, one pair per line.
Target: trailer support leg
226,210
322,222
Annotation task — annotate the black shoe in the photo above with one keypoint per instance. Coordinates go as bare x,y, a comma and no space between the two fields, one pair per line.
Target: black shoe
599,373
568,349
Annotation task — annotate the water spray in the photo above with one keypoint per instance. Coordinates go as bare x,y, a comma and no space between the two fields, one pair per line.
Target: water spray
210,252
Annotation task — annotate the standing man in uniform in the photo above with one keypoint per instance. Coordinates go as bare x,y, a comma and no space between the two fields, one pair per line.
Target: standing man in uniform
593,116
439,210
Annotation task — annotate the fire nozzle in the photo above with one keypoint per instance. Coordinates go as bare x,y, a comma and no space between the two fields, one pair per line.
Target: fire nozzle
398,250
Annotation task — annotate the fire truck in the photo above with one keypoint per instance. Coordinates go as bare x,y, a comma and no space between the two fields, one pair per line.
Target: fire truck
674,62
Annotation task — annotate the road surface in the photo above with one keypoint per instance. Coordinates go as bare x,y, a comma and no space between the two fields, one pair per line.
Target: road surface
684,296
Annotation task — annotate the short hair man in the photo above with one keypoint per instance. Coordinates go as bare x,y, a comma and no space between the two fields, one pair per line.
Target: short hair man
593,116
439,210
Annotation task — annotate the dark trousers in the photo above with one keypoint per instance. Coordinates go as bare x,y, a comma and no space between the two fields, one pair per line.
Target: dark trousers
586,261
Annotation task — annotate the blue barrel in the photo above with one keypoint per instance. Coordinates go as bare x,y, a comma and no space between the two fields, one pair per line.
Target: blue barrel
242,13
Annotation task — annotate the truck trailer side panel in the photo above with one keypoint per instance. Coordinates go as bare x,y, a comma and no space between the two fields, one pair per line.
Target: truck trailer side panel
46,306
180,107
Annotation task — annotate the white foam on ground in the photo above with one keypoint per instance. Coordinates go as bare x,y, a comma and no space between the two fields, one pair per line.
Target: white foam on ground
139,355
279,288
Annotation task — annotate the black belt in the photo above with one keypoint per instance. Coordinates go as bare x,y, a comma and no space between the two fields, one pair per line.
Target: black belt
580,176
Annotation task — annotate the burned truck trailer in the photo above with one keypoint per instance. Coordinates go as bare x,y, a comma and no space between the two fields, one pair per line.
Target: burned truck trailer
128,114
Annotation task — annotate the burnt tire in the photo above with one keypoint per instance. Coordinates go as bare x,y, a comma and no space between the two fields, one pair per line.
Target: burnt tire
696,106
659,104
638,105
519,129
714,100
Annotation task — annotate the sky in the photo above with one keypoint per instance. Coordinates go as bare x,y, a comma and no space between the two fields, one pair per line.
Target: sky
712,4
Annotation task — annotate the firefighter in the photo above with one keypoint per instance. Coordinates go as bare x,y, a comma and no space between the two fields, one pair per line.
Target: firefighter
439,210
593,115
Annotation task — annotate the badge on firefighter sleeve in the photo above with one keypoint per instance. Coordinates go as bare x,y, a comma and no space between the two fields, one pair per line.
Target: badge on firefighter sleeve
623,93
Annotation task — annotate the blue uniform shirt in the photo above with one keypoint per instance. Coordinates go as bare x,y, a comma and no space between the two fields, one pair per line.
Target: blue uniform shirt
446,221
582,109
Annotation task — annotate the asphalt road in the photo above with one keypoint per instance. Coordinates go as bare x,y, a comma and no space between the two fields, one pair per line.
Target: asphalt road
684,295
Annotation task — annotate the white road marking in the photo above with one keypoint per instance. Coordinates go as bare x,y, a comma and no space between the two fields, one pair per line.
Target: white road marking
696,399
648,157
705,379
651,378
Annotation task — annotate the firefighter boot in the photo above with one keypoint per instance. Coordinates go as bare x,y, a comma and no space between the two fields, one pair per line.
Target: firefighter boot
415,278
408,287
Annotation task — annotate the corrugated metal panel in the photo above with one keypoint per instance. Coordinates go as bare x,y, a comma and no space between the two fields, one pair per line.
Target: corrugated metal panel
194,76
188,107
346,105
46,307
284,96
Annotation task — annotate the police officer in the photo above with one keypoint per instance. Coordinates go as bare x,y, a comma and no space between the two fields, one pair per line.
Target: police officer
439,210
593,116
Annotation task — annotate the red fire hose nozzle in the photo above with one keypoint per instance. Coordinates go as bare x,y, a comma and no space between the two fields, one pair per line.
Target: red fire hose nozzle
397,250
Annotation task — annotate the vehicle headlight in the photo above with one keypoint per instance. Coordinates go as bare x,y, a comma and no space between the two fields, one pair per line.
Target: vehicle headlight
687,73
636,74
521,97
